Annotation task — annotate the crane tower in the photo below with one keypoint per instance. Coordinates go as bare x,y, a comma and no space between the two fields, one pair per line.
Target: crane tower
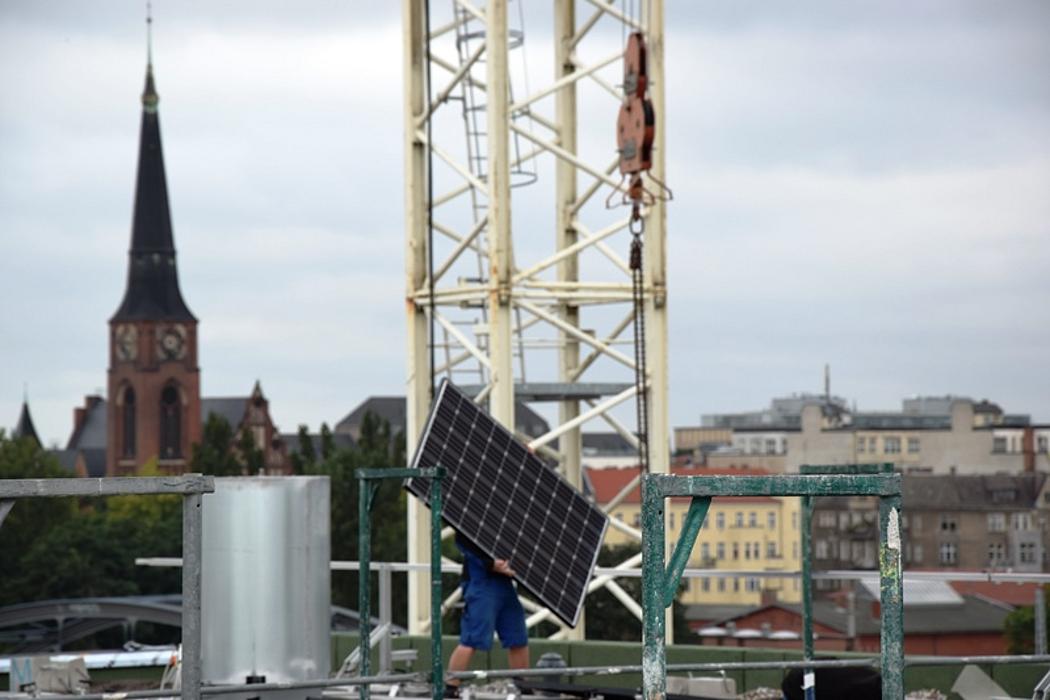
523,294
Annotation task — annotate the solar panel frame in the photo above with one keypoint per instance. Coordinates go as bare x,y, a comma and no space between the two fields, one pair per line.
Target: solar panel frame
488,472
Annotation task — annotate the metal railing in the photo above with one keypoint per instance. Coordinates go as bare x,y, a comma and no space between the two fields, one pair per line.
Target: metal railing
191,487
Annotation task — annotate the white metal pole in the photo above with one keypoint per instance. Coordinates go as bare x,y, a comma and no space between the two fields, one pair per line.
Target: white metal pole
419,379
501,262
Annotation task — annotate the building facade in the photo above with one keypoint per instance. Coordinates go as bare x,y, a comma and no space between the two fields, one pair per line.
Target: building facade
746,534
154,407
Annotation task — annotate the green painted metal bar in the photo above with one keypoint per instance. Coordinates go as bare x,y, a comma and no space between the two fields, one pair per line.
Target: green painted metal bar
657,487
870,468
694,520
891,594
779,485
437,677
806,528
364,556
654,639
367,489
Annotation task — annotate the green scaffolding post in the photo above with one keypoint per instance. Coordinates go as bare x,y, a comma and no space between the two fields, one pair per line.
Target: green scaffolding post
658,581
368,480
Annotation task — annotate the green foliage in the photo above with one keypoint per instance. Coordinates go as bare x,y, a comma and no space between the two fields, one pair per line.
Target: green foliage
304,457
251,454
213,454
1019,628
606,617
374,449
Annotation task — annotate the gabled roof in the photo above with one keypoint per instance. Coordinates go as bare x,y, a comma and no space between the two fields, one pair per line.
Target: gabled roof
392,410
607,483
152,290
25,428
607,443
92,432
984,492
231,408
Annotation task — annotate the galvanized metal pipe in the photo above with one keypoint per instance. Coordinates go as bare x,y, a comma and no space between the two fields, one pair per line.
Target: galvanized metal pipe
192,536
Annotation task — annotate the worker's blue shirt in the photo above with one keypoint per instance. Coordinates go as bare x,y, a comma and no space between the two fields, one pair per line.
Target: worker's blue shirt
490,603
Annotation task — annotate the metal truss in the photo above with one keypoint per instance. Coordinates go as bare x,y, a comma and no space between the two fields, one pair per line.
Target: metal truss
491,297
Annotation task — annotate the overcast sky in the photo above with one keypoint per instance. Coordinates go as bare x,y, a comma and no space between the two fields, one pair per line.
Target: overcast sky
860,184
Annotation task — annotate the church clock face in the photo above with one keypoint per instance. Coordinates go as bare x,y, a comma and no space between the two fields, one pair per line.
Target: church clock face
126,342
171,342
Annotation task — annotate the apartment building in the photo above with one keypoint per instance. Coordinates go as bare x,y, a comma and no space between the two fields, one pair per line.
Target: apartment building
756,534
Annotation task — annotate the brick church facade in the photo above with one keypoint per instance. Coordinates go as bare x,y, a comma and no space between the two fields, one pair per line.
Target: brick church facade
153,409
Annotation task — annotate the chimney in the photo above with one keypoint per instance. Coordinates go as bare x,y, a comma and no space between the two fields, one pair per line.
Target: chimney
1028,448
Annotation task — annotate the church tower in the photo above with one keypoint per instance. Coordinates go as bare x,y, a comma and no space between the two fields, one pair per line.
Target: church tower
154,406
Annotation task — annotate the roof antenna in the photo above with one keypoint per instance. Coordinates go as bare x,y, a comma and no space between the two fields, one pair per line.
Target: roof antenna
149,32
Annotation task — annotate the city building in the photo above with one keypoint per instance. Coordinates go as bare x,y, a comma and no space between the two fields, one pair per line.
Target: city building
950,522
759,534
941,435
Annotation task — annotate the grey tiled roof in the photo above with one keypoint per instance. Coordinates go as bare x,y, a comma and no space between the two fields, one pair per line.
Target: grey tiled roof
231,408
972,492
94,461
92,434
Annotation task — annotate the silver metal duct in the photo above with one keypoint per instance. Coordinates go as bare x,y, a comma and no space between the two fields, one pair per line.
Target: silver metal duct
266,589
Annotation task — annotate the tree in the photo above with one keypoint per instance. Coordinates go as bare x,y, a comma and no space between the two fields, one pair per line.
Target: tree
30,519
327,442
251,454
304,457
1019,628
608,619
213,454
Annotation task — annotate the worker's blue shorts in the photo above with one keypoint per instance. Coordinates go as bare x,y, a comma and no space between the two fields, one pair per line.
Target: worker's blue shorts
491,604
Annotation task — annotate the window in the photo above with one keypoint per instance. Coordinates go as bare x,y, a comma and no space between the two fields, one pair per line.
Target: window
1021,521
721,585
720,521
861,442
949,553
1028,552
843,520
999,445
752,519
844,550
771,520
705,550
747,550
821,549
736,585
996,553
128,424
771,446
170,424
752,584
913,445
756,445
873,445
721,549
705,584
739,519
826,519
771,550
916,552
916,523
736,550
1041,441
891,445
996,522
794,520
637,519
948,522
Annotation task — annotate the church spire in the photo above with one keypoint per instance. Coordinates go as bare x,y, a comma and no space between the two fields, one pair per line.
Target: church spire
152,291
25,428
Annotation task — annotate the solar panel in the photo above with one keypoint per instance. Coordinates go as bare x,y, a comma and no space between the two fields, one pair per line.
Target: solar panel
510,504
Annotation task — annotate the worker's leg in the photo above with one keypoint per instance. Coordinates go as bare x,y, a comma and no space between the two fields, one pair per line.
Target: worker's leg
459,661
518,657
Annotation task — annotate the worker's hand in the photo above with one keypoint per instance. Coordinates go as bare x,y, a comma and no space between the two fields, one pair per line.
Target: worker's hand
501,566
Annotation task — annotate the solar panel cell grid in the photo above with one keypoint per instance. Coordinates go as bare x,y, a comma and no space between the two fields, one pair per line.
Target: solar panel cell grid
509,503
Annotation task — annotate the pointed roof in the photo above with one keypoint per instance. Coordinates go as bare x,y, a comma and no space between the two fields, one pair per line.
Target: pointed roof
25,427
152,290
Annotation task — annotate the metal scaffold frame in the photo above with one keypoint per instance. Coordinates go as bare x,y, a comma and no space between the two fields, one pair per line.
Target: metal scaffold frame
548,292
191,487
659,585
